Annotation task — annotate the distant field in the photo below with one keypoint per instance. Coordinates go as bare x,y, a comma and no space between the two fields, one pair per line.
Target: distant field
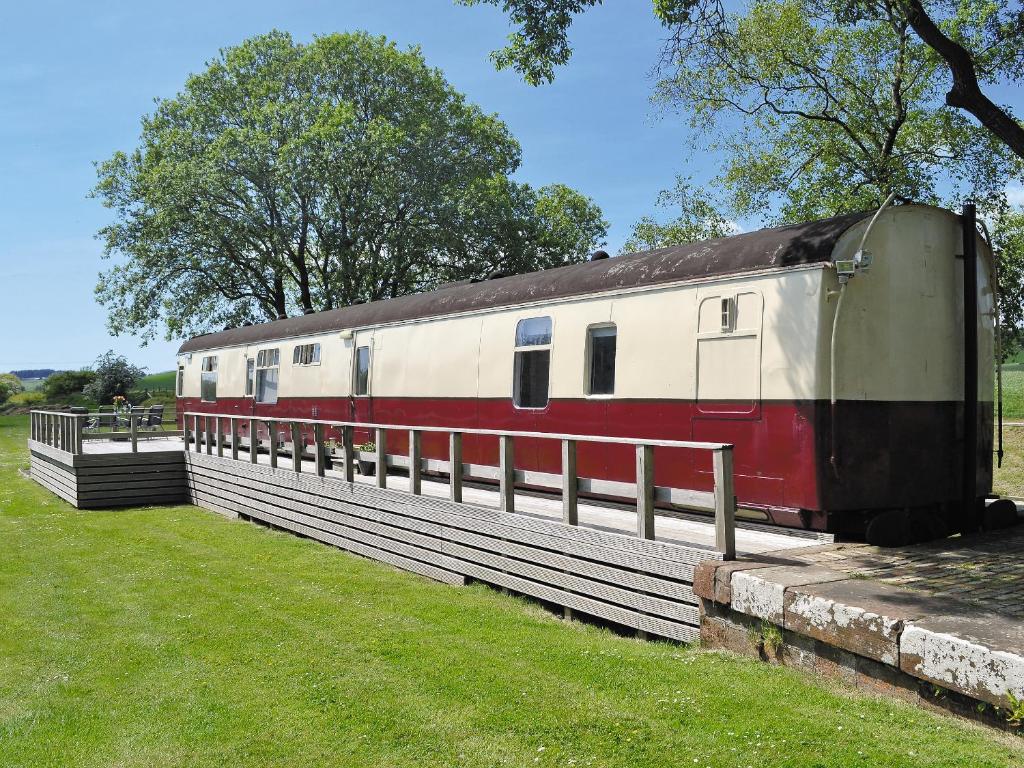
163,380
1013,391
31,385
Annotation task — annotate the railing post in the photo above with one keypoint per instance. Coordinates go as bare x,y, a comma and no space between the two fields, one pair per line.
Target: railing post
455,466
209,436
219,430
186,433
272,428
415,457
645,491
346,446
79,427
31,425
199,445
570,485
507,473
318,447
382,458
254,441
233,426
133,429
297,446
725,503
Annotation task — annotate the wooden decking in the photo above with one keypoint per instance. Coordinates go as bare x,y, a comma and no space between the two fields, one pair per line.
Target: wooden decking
598,566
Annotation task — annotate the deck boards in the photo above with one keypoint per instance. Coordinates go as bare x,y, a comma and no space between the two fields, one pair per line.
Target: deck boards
598,567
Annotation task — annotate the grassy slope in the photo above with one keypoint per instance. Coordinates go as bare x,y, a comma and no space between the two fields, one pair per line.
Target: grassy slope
163,380
170,636
1013,392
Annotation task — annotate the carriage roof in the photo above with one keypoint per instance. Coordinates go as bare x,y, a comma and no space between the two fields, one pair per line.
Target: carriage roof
778,247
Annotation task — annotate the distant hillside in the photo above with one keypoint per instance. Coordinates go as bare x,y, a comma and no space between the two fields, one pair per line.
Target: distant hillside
157,381
36,373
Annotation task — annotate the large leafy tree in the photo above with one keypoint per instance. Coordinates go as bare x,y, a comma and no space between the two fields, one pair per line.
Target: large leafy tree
291,178
978,42
697,216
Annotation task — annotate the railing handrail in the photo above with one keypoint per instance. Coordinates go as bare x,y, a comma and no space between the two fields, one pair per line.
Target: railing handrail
723,500
696,445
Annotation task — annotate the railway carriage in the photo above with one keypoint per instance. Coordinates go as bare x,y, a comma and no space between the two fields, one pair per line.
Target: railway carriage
841,386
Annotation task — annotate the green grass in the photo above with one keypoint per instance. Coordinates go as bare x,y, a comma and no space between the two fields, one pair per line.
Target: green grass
1013,392
1009,479
31,385
164,380
173,637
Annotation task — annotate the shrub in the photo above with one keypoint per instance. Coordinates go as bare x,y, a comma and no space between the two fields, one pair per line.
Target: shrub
9,385
114,375
67,384
27,399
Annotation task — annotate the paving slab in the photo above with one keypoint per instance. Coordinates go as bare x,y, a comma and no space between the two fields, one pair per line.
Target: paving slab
860,616
975,652
761,592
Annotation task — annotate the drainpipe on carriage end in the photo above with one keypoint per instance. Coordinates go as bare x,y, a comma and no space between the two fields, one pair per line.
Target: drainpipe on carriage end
970,513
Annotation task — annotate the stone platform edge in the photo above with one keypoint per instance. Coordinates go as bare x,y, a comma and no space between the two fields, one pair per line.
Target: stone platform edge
869,634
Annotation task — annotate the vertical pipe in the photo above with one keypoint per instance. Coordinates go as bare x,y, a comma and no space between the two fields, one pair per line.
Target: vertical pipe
507,473
570,484
645,491
455,466
970,458
725,503
382,458
415,462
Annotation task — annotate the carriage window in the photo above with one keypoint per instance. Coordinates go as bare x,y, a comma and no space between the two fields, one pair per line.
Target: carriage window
532,362
726,314
267,369
250,376
181,380
306,354
601,359
208,384
362,383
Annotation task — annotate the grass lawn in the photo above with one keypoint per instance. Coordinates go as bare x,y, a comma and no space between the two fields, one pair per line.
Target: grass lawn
1009,480
1013,391
173,637
164,380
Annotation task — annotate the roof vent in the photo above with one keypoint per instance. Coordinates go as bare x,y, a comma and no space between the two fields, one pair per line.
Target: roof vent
282,316
498,273
309,311
598,255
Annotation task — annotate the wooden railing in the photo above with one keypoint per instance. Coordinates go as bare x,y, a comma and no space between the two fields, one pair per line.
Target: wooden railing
206,430
67,431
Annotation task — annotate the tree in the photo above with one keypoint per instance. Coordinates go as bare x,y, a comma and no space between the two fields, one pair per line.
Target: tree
9,385
830,116
1008,244
114,376
66,384
700,218
979,43
288,178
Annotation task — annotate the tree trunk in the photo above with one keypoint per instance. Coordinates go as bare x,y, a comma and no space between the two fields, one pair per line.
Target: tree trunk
966,94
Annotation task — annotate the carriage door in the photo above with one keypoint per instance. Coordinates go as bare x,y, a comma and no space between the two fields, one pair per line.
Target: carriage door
361,401
729,355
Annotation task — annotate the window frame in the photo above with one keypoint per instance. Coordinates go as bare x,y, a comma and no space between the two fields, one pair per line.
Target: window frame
250,377
208,365
263,368
522,349
588,370
180,382
299,354
369,370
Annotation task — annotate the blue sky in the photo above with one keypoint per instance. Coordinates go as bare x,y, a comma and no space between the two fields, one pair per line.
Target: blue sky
75,78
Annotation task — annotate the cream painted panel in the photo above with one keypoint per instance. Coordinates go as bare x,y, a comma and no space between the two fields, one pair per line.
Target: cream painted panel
569,338
728,368
655,344
497,342
791,328
192,381
899,335
430,359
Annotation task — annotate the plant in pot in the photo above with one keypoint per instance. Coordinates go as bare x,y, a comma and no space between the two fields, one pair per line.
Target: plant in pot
366,466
